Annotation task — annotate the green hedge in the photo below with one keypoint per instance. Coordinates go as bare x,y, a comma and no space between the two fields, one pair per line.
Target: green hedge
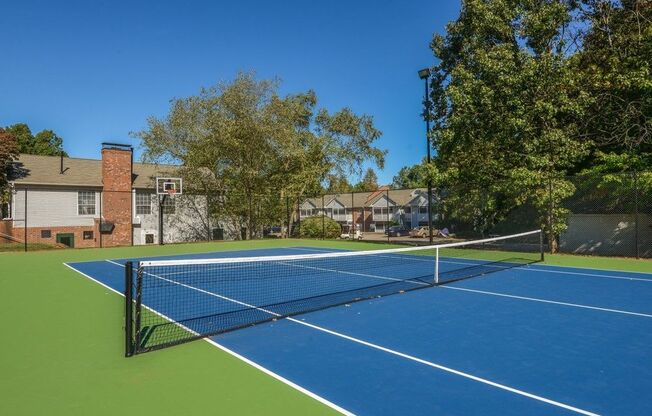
312,228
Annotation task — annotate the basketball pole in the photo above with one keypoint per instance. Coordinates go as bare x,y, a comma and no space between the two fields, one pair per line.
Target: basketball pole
160,218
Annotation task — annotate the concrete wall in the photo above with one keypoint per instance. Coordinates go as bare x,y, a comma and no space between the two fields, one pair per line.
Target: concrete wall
607,235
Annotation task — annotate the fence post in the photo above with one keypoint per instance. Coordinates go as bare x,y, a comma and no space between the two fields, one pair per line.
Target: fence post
352,231
636,219
160,218
25,229
287,214
387,204
208,218
298,232
551,234
100,220
323,219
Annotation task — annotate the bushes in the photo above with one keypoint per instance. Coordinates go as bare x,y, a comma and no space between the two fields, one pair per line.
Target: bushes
312,228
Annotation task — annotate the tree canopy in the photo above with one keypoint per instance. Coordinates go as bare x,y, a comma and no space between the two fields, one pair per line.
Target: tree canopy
615,66
525,93
44,143
415,176
244,139
368,183
8,153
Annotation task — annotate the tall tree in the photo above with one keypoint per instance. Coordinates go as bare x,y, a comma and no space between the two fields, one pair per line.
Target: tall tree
243,140
368,183
45,142
505,108
337,183
615,66
415,176
8,153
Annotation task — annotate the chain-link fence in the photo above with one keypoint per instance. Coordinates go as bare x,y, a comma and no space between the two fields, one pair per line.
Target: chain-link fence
608,215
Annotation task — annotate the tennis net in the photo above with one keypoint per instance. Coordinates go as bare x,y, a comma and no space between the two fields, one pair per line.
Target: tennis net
174,301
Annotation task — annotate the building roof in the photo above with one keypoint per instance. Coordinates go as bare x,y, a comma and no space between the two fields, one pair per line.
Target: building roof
46,170
400,197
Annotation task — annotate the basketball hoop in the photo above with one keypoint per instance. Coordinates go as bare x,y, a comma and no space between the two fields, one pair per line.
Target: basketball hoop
169,186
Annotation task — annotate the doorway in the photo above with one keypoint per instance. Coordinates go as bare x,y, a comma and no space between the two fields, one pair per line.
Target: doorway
67,239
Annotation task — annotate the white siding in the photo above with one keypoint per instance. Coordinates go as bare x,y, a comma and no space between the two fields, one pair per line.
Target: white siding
51,208
188,223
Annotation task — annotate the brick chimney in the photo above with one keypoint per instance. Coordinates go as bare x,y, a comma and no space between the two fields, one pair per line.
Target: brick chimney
117,163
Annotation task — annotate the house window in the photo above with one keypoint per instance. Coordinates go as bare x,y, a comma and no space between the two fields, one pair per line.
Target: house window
143,203
407,210
168,206
46,233
423,209
86,203
88,235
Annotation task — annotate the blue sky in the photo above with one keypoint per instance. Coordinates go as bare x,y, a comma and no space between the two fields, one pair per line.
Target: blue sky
94,71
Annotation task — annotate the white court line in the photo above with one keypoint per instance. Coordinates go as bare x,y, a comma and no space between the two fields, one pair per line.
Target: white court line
575,305
393,352
527,267
231,352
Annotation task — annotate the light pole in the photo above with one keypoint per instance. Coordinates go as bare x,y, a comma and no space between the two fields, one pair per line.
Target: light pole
424,74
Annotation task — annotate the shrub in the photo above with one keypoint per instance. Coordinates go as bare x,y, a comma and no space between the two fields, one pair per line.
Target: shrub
312,228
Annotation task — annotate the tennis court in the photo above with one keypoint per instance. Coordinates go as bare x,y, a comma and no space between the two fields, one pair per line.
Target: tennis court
525,338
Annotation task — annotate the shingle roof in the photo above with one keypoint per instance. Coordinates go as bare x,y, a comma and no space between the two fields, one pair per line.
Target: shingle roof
364,199
46,170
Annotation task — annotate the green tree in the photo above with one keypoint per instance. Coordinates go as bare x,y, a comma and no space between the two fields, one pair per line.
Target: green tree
415,176
44,143
257,148
8,153
615,66
368,183
337,183
505,109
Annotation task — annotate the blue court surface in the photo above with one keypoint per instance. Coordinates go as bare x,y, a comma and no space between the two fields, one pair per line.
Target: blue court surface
531,340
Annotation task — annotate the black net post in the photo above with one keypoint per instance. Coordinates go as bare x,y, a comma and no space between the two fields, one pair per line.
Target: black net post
129,339
541,247
139,297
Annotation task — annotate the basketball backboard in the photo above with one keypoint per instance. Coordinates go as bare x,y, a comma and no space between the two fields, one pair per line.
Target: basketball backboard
169,186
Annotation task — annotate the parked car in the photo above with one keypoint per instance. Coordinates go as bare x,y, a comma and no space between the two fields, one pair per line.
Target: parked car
398,231
421,232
